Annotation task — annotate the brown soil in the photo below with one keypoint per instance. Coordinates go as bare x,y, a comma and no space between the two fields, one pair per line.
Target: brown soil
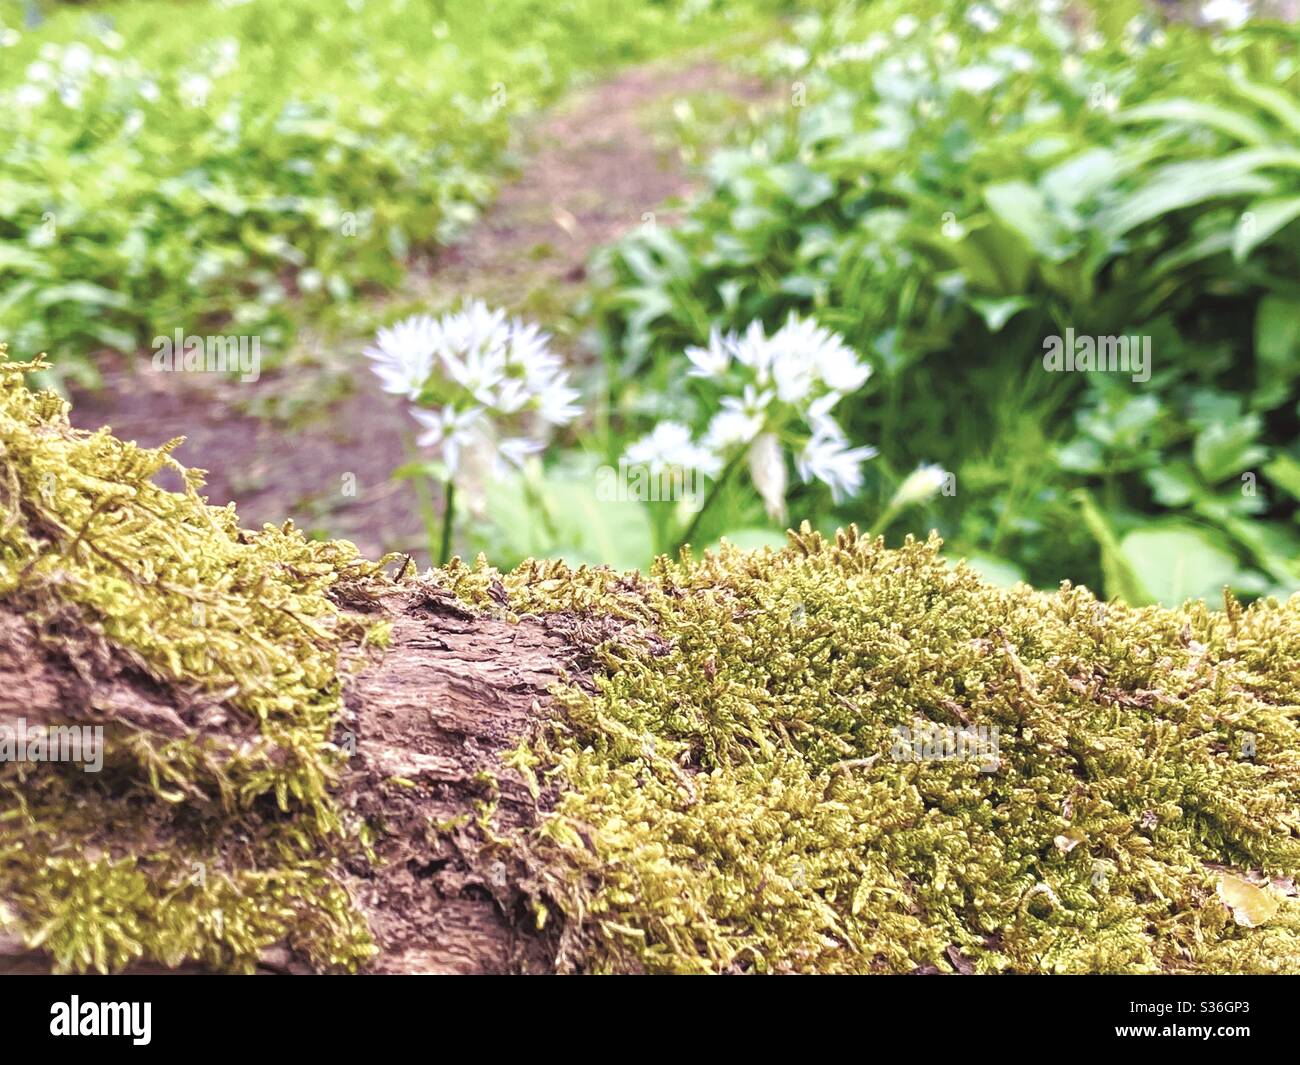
592,170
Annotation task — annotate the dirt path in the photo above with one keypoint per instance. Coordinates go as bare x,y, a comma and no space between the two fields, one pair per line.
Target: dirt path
592,169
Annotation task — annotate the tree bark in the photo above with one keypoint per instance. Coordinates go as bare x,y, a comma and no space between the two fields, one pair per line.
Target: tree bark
427,724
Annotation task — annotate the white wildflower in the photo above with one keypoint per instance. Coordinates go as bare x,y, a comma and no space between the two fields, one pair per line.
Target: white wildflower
983,18
450,431
474,329
670,445
830,460
195,88
1231,14
491,384
515,449
712,361
977,79
819,417
557,403
403,355
731,427
920,486
782,387
77,59
29,96
752,349
905,25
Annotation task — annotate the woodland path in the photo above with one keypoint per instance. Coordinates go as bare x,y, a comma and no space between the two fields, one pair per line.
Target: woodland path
592,167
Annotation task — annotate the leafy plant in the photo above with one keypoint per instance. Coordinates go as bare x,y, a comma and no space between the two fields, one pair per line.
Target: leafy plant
948,189
245,164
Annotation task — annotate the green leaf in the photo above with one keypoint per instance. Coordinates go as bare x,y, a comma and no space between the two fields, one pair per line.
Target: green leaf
1284,471
1279,104
1174,485
1024,209
997,312
1224,449
1178,562
1277,348
752,539
1121,578
1186,184
1193,112
81,292
1260,221
997,571
563,517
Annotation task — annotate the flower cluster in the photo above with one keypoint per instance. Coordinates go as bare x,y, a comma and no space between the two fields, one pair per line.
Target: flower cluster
774,392
482,385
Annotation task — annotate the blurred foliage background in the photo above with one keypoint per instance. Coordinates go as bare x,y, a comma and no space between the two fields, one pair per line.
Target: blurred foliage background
967,179
943,183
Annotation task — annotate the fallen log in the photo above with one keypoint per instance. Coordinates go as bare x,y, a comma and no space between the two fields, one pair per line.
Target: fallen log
835,757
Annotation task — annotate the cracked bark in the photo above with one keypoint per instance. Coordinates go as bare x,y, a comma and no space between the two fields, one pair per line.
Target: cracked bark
427,723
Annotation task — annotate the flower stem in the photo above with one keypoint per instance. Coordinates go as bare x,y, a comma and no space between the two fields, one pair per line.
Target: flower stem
723,478
448,511
882,523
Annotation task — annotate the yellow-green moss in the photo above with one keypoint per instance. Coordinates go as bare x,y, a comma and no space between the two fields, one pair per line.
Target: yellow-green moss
104,562
730,800
724,799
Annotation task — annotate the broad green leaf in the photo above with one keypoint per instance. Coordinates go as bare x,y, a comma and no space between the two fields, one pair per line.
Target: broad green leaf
1279,104
1174,485
1186,184
1197,113
1024,209
80,292
1084,176
1224,449
997,571
1121,578
1260,221
1277,348
1284,471
1175,563
563,517
752,539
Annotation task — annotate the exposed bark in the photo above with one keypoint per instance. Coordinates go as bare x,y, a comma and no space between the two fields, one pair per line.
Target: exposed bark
428,723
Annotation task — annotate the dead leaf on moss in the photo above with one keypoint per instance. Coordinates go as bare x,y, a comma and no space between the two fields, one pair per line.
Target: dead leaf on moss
1251,906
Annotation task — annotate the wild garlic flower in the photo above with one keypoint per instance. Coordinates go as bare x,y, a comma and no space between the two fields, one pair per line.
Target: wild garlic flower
479,382
1231,14
670,446
983,18
920,486
828,458
770,393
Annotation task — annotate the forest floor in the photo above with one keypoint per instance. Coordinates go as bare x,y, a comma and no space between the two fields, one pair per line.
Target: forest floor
315,439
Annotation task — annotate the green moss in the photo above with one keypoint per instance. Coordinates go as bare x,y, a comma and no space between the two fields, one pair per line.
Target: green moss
220,840
722,795
730,797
